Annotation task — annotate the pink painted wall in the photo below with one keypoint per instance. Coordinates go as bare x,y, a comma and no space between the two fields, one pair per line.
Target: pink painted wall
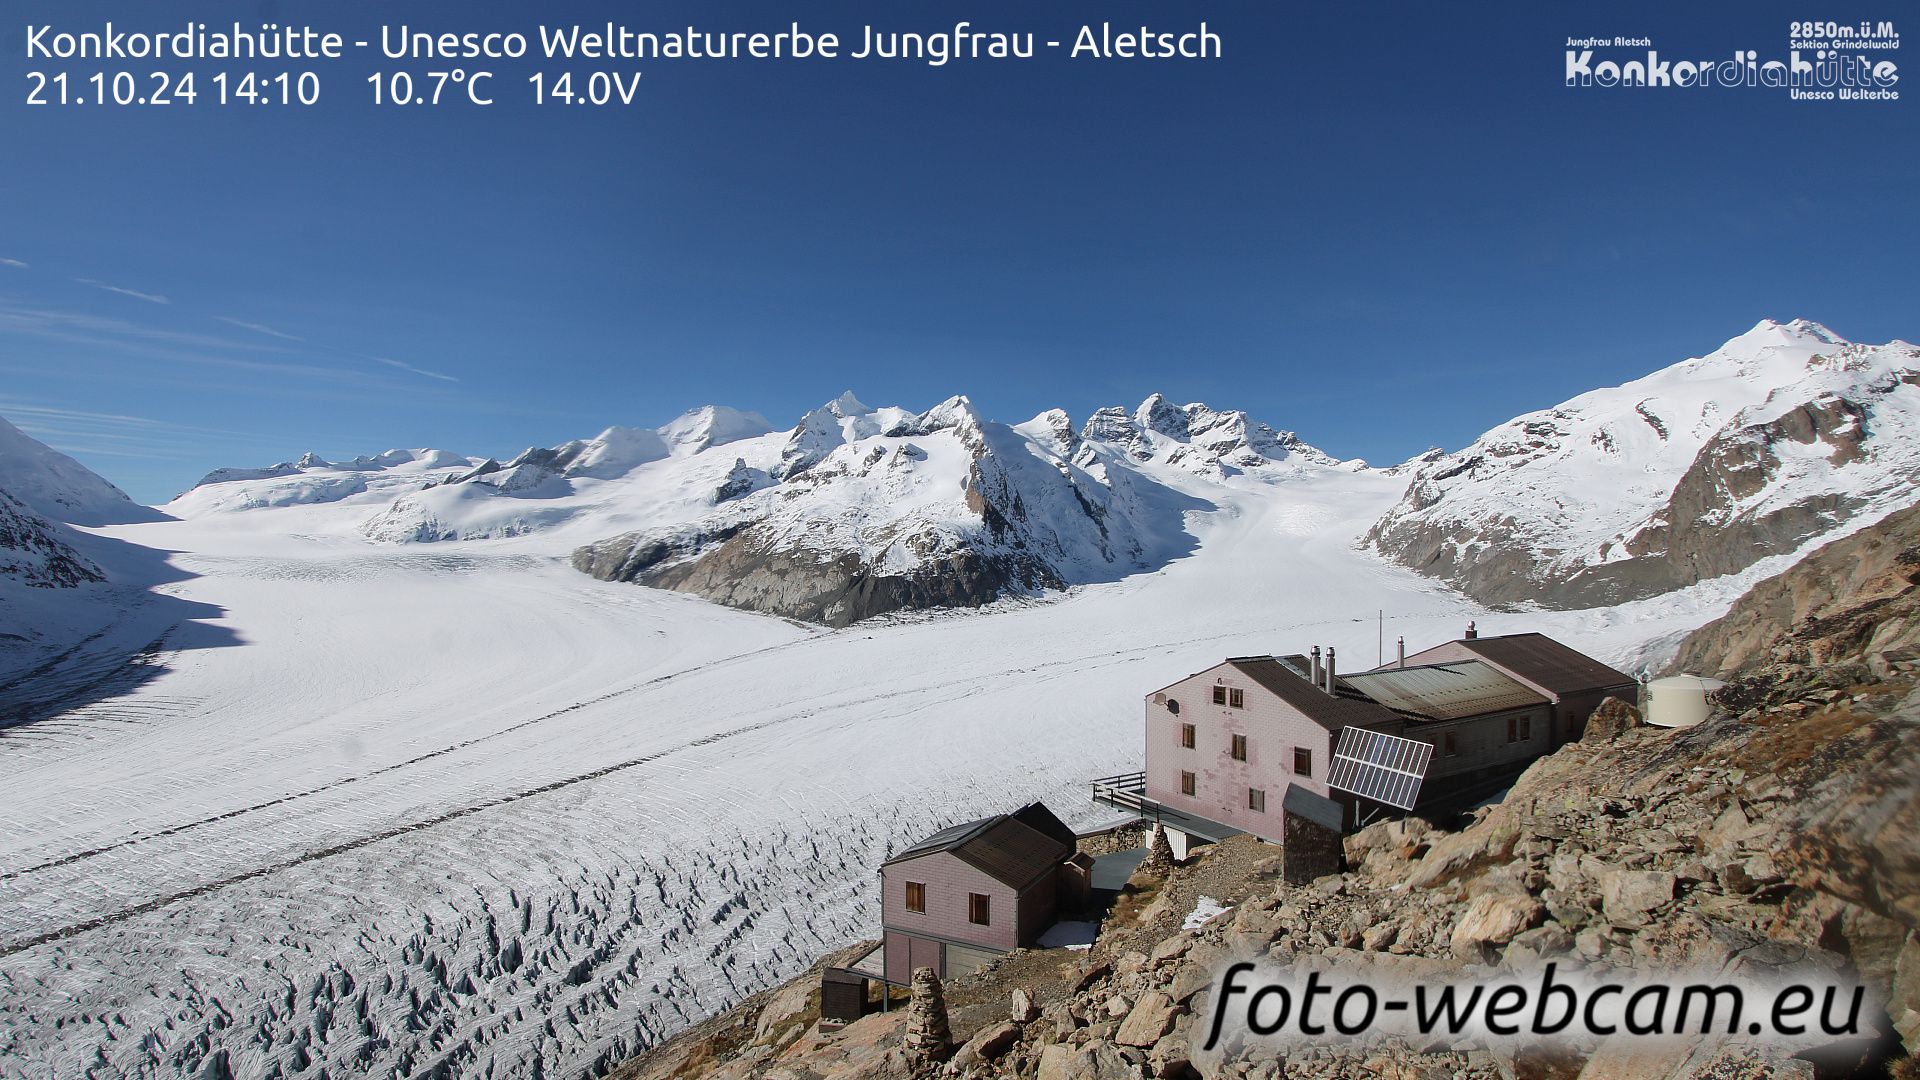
1273,729
948,882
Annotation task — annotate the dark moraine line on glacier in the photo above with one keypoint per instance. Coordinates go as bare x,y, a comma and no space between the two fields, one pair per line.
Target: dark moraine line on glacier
388,834
176,830
504,800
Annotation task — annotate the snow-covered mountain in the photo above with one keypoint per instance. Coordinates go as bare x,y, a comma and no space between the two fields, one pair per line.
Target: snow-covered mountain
42,491
1696,471
59,488
866,511
1775,439
855,511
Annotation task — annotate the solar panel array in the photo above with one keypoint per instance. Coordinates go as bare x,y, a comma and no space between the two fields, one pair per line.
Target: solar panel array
1384,768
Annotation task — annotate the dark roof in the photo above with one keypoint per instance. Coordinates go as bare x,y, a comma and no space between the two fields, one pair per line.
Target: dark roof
1006,847
945,839
1545,662
1330,711
1037,817
1446,691
1313,806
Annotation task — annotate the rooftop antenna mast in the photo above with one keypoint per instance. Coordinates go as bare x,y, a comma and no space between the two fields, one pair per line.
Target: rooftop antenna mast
1380,644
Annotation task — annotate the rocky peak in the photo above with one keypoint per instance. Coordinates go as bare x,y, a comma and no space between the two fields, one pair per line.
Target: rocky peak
1196,437
846,405
1156,413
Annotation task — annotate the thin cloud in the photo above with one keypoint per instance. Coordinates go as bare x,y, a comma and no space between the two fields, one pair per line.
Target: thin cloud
15,263
258,328
103,421
151,298
116,434
61,325
415,370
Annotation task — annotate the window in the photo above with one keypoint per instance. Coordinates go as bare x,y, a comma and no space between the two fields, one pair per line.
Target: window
1236,699
1256,800
917,896
1303,761
980,909
1513,729
1452,744
1219,695
1187,736
1526,728
1187,784
1239,748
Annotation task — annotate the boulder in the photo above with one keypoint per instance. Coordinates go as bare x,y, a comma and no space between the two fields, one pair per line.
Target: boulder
1611,720
1024,1010
1094,1061
987,1044
1147,1021
1493,920
1628,896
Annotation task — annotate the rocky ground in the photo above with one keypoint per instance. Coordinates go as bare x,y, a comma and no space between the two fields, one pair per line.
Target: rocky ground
1781,832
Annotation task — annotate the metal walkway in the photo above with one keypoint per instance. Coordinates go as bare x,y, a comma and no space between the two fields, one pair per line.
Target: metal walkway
1128,792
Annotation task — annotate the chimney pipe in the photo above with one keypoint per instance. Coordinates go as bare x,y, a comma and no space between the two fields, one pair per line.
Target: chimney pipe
1472,631
1316,665
1329,669
1401,649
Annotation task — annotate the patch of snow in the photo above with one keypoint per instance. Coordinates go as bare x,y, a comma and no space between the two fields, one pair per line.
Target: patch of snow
1070,935
1205,910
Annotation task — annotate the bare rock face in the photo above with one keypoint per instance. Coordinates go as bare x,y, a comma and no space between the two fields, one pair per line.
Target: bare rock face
32,550
1871,569
750,571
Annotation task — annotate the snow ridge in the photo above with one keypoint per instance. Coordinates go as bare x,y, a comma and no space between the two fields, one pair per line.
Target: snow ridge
58,487
1778,437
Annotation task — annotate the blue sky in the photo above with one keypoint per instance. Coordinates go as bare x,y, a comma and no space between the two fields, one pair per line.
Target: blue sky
1383,226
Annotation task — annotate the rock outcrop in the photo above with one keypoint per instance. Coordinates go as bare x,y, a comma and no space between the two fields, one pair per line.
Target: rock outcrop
1855,593
35,552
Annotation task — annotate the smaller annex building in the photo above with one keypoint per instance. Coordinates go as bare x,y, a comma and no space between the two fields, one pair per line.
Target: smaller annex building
1255,742
977,890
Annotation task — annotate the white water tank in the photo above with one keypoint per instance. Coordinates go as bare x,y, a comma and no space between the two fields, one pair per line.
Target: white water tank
1679,700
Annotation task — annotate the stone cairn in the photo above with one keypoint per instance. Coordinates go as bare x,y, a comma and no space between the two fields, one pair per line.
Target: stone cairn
928,1039
1159,858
